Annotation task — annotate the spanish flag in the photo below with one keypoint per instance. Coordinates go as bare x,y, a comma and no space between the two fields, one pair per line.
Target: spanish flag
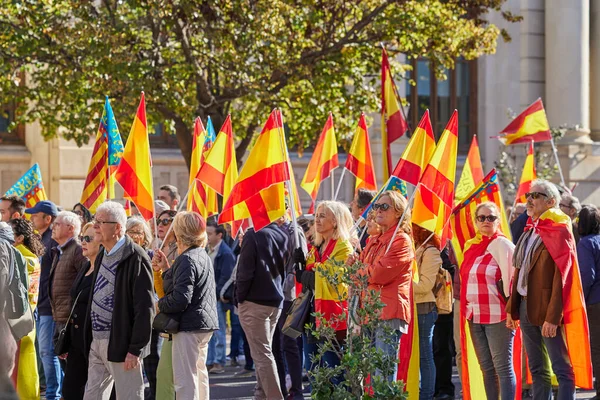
527,176
201,199
472,173
324,160
439,177
219,169
134,172
531,124
393,124
360,160
418,152
555,230
260,192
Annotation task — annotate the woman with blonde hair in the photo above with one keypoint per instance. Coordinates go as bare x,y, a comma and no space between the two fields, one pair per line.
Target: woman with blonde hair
333,223
390,271
190,297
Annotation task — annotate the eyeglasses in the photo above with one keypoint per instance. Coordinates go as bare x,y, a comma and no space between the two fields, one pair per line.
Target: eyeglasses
565,206
164,221
87,239
490,218
535,195
381,206
96,222
135,233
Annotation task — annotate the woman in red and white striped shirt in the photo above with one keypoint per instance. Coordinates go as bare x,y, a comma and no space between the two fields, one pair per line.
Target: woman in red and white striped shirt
485,279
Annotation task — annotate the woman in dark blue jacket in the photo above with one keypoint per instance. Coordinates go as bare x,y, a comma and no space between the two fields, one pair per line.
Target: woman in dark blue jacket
190,297
588,255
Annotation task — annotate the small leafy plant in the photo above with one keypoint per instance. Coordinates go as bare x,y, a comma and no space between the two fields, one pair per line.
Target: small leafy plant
363,368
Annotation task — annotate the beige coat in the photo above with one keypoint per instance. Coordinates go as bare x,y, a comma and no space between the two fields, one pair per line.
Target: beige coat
429,262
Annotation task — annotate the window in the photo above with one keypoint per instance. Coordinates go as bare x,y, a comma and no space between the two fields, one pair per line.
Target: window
459,92
160,137
7,116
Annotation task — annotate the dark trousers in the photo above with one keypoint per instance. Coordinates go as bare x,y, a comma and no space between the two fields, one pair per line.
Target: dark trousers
76,372
151,364
539,349
593,311
443,352
279,357
289,355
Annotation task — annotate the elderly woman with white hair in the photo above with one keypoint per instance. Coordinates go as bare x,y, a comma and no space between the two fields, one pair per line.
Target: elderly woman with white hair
190,298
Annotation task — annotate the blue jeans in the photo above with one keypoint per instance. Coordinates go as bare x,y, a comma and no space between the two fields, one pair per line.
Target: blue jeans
426,325
538,350
52,369
236,347
390,345
493,345
218,341
329,359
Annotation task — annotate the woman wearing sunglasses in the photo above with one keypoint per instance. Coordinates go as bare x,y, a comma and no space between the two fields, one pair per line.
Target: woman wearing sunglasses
485,276
77,365
390,270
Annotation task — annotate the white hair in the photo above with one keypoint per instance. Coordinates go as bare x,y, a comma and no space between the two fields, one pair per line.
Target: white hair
71,219
139,221
116,212
573,201
550,190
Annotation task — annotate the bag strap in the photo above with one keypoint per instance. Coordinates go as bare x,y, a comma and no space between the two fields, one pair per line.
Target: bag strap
73,308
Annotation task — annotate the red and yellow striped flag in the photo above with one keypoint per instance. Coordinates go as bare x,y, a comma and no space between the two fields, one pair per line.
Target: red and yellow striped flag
259,192
418,152
201,199
531,124
360,160
472,173
219,169
393,124
324,160
527,176
439,176
134,173
95,187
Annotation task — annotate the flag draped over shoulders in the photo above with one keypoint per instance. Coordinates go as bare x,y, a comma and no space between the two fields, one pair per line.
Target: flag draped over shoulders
554,228
330,300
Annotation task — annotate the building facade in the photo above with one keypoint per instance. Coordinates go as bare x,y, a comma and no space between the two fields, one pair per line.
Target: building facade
554,54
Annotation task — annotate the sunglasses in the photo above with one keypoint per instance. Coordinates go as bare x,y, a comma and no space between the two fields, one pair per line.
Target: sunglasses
381,206
87,239
535,195
164,221
482,218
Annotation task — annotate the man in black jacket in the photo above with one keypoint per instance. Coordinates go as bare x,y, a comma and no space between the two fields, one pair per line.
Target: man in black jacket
259,292
122,298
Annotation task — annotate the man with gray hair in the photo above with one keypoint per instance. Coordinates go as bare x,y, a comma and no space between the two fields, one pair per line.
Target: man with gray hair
537,298
571,206
67,261
122,298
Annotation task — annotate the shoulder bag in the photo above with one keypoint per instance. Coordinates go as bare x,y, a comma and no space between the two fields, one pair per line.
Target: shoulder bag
297,315
63,342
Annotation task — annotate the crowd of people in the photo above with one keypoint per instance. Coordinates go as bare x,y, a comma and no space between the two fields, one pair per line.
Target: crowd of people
117,302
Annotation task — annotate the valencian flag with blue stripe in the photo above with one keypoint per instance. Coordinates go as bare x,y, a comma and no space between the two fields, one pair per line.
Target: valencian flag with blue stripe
107,154
29,187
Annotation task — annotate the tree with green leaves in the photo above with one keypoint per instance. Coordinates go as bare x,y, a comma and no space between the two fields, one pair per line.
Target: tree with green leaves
59,58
